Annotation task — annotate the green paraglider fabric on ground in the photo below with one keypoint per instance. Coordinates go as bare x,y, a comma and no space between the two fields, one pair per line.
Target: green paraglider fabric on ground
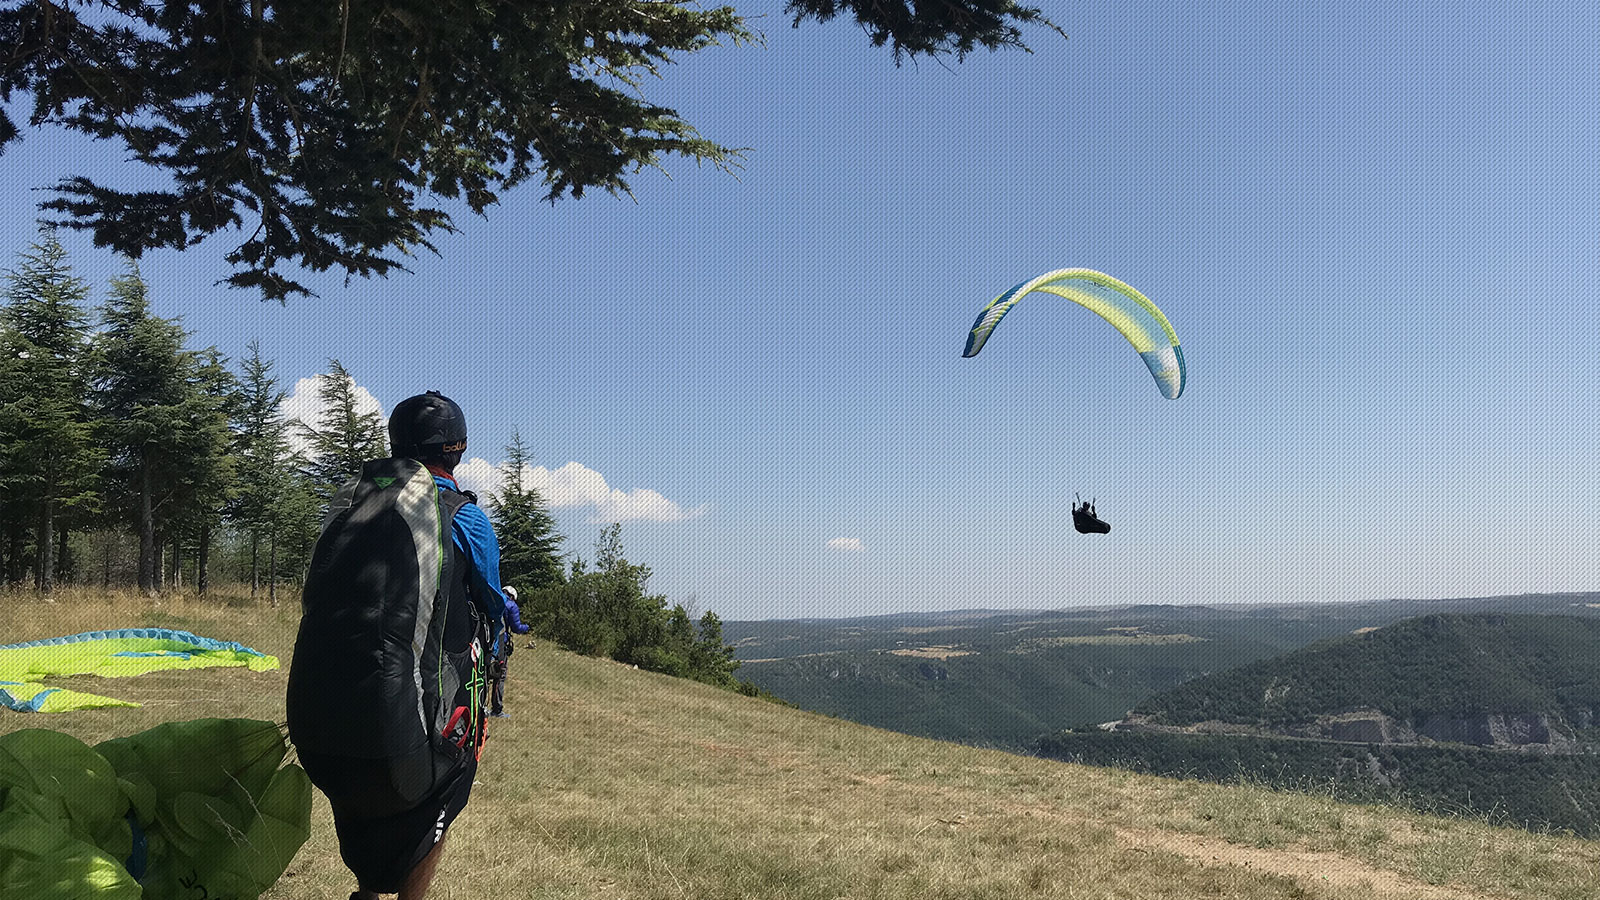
211,799
61,779
38,860
218,810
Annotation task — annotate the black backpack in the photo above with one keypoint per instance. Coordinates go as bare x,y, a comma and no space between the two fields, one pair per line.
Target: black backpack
390,662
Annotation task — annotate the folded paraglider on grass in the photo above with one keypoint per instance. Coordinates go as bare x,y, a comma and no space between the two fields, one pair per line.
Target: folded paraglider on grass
203,808
109,654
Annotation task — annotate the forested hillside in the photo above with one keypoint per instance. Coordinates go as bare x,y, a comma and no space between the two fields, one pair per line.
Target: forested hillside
1488,714
1527,790
1003,678
1450,666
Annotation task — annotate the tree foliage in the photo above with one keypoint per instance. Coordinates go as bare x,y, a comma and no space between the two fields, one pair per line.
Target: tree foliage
343,437
325,132
167,444
1536,791
47,449
262,446
207,479
142,404
530,547
608,611
913,29
1451,665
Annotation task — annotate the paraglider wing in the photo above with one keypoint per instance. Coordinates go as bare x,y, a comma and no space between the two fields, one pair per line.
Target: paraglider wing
218,802
203,808
108,654
1129,311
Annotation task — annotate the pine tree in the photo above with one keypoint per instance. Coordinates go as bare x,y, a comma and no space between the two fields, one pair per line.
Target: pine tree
50,456
12,513
343,437
141,378
292,529
331,134
530,548
262,453
207,464
712,658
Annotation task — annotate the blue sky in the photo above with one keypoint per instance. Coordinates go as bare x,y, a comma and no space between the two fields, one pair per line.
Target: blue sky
1375,227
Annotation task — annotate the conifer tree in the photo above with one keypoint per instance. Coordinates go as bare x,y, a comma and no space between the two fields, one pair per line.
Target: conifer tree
207,466
50,457
343,437
331,134
262,454
292,531
712,659
141,376
11,509
530,548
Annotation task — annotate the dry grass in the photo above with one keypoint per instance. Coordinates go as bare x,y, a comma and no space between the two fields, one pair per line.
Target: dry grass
610,782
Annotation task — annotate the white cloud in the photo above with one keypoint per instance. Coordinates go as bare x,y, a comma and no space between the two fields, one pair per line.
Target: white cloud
847,545
479,476
572,486
576,486
302,404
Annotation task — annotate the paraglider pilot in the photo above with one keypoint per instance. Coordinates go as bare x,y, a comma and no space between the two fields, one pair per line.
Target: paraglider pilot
1085,520
502,655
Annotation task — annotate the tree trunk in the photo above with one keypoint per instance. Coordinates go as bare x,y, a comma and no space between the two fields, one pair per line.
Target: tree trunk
66,566
177,562
272,568
147,533
13,569
45,542
202,558
255,562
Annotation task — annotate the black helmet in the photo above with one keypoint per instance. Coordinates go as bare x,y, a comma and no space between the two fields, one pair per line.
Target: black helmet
427,426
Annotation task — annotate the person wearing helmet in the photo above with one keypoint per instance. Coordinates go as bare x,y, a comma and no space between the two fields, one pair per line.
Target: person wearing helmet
386,848
502,655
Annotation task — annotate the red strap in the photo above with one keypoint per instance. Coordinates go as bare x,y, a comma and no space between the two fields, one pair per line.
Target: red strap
450,726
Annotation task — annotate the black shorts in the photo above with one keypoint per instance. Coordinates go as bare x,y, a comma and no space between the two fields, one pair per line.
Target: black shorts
381,839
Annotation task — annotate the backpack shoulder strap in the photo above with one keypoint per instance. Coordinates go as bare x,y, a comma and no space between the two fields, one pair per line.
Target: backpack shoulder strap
450,502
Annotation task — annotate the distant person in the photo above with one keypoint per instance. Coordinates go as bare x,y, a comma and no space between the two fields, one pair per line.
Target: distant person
387,688
1085,520
502,656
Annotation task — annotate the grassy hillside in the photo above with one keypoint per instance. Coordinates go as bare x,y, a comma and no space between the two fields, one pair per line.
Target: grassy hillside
610,782
1438,665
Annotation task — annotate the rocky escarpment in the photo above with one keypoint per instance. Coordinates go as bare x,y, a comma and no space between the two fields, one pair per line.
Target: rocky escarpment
1501,731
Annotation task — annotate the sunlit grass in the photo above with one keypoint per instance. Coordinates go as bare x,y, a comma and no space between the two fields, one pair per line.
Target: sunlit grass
609,782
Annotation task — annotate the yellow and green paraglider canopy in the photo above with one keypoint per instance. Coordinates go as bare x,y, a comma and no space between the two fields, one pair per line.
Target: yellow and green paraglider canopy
109,654
1130,312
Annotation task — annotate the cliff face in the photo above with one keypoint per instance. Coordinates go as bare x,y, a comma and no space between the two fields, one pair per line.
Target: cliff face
1498,731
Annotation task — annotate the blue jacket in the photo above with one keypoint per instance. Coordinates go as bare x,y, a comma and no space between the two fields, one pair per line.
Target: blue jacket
474,535
514,618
